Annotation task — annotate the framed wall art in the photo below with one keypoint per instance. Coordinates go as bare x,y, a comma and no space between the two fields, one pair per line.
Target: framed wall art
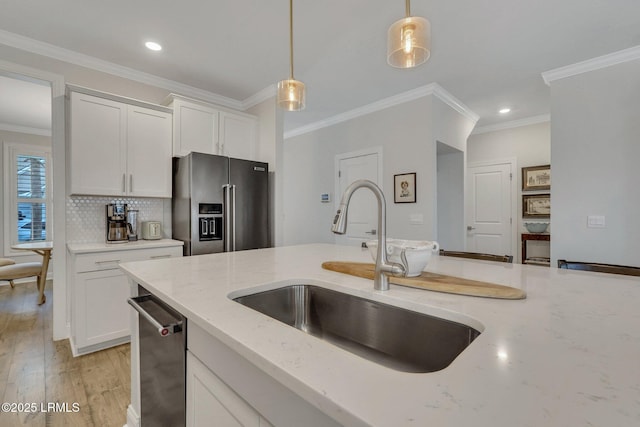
536,205
536,178
404,188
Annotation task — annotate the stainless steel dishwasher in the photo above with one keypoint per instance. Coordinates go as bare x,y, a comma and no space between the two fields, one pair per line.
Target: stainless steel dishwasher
163,342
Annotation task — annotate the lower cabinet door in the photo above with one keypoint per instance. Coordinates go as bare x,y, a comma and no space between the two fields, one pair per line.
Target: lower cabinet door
210,402
101,302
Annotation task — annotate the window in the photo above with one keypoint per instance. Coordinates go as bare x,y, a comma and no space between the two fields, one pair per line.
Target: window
27,194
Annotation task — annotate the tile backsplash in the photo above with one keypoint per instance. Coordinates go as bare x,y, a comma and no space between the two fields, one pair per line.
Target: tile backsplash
86,216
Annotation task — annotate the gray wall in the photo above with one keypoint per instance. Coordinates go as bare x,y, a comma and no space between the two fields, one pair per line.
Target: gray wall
595,150
405,135
451,175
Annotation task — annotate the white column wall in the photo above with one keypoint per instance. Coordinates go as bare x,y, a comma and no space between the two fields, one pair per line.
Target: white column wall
595,152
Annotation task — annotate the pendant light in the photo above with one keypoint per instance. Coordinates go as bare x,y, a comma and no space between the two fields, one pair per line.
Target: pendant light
409,41
291,92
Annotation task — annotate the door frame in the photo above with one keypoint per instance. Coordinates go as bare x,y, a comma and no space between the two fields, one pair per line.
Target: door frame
336,168
513,162
61,326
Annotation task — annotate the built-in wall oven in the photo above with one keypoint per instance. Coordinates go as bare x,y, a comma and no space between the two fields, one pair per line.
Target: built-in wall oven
162,333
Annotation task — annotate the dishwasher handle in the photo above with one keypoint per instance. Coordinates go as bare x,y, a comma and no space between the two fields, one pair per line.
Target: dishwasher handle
163,330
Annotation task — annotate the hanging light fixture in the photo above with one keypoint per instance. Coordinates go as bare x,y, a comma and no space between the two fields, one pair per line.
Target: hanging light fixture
409,41
291,92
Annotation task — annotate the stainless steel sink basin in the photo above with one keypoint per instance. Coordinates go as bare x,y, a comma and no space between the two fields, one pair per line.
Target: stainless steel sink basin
394,337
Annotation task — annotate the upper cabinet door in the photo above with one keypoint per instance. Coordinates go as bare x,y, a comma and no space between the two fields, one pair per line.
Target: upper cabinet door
97,145
195,128
148,152
238,136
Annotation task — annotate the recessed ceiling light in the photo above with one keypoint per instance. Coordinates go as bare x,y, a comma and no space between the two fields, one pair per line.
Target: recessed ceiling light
504,110
153,46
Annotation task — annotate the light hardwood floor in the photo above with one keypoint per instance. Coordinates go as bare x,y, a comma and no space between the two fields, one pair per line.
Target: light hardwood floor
36,370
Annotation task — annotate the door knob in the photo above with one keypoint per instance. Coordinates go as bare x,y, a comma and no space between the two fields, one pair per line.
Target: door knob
469,228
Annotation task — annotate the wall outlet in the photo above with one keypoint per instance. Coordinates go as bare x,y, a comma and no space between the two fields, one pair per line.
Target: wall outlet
417,219
325,197
595,221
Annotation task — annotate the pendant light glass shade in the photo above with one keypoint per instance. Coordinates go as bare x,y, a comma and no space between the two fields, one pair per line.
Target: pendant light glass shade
291,95
291,92
409,41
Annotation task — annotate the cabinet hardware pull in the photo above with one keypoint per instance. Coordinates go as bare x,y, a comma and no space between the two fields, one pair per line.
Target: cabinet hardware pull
107,261
124,183
160,256
163,330
130,183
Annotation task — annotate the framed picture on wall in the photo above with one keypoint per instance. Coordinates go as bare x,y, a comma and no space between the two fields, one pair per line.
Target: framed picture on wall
404,188
536,178
536,205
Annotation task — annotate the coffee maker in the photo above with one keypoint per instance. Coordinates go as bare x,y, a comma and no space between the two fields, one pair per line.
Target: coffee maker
117,230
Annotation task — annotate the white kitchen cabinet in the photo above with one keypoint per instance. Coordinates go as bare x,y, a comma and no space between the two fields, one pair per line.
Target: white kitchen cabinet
238,136
148,152
99,292
205,128
97,145
222,383
118,149
210,402
99,300
195,128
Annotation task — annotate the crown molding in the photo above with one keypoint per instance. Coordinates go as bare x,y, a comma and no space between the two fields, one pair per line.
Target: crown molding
533,120
24,129
593,64
58,53
258,97
410,95
454,103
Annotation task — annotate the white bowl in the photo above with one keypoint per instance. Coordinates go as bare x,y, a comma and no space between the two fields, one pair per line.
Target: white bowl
536,227
417,253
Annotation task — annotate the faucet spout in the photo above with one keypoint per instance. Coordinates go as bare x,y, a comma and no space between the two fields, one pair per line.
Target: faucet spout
383,266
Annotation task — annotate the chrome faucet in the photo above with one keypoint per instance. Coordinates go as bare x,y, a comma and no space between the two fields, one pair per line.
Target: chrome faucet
383,266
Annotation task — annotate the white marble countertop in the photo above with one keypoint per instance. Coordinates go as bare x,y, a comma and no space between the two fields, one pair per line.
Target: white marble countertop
81,248
568,355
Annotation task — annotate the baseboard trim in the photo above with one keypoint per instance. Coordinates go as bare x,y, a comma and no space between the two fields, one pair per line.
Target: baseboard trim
133,419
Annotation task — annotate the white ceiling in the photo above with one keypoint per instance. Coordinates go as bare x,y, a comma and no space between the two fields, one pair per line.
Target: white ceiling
486,53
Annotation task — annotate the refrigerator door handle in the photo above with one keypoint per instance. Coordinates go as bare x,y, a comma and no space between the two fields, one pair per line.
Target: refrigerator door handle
233,217
229,217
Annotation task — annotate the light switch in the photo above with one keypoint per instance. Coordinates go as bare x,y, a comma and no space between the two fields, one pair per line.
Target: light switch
595,221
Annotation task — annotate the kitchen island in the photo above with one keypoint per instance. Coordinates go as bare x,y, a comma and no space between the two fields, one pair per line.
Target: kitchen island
567,355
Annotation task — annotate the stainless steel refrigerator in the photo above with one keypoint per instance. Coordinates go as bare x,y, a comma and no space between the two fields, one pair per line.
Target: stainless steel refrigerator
220,204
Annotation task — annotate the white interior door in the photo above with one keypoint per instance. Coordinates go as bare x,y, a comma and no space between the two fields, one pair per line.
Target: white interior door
490,209
362,218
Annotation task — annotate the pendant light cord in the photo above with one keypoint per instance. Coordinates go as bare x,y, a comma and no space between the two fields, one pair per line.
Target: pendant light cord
408,7
291,37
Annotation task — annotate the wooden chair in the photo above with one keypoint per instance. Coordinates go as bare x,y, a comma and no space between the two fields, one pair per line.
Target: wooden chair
601,268
10,271
476,255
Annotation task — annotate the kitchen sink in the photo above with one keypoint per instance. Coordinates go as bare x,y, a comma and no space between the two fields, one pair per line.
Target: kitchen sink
391,336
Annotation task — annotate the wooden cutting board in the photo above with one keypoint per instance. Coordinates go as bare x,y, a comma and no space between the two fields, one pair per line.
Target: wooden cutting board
431,281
